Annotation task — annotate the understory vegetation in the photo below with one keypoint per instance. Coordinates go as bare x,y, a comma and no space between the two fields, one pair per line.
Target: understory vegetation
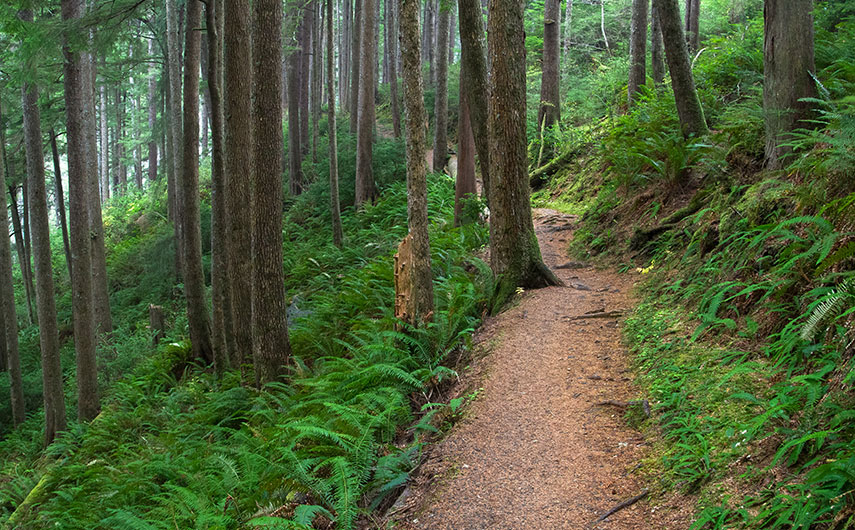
176,447
744,340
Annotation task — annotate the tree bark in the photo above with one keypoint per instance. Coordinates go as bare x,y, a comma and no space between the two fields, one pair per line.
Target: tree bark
465,185
422,301
452,31
689,109
365,190
23,258
54,399
355,60
74,70
317,74
271,348
7,303
514,251
223,342
152,117
693,8
335,206
175,117
440,138
305,44
473,68
105,146
393,67
549,113
568,34
194,278
788,66
239,168
657,50
295,147
637,49
60,200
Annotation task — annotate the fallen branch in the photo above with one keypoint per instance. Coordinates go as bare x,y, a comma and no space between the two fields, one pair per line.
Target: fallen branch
602,314
619,507
538,176
645,405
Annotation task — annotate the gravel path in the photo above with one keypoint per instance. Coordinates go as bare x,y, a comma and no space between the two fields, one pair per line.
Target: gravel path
536,451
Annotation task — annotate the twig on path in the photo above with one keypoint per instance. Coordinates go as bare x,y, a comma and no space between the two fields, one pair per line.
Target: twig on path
619,507
603,314
645,405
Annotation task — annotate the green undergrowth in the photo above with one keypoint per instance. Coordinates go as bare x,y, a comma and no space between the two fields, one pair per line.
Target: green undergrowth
176,448
745,338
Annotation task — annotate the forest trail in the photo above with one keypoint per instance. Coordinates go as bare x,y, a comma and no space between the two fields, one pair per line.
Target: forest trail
537,448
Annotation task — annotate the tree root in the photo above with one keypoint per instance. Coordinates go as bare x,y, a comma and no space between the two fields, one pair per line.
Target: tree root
625,504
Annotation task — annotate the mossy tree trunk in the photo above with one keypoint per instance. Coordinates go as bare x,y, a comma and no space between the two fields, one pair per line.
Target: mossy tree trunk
473,76
637,49
549,113
514,252
440,138
365,190
335,206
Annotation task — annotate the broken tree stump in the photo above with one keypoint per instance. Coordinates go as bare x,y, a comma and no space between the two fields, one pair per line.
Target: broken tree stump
404,281
156,323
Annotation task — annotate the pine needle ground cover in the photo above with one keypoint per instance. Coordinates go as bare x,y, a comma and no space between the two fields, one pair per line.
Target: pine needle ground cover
176,448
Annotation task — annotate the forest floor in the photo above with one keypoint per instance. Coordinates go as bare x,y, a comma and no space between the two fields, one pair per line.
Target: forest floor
544,443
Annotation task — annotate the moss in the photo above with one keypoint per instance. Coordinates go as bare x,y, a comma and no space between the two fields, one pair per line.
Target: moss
759,205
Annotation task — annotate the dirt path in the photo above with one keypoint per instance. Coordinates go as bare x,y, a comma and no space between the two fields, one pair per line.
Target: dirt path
536,451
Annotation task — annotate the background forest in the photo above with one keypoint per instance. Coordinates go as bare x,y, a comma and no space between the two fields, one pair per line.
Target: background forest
235,357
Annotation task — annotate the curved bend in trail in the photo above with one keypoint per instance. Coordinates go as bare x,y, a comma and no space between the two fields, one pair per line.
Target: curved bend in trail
538,449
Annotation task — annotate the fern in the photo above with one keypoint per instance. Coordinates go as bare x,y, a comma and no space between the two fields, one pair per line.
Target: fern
828,308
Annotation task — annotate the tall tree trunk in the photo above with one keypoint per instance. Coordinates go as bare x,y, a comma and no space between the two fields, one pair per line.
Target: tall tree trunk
365,190
693,8
514,251
568,33
549,113
430,39
657,50
206,96
222,336
175,118
317,70
603,25
238,166
54,399
452,31
345,54
637,49
23,258
152,117
689,109
440,139
355,63
335,207
7,302
393,68
194,278
60,200
105,145
74,70
465,185
271,348
417,215
788,67
295,146
305,72
473,72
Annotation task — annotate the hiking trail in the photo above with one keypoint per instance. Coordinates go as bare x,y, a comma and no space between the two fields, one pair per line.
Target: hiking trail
544,444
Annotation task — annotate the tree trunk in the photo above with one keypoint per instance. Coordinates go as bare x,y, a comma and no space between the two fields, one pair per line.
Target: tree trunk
549,113
206,95
452,31
657,50
222,313
393,68
60,200
603,25
430,39
152,117
365,190
568,34
514,251
689,109
317,69
305,72
54,398
7,303
238,165
473,68
345,54
355,60
637,49
74,70
194,279
335,207
693,8
23,258
440,138
271,348
421,297
788,67
175,117
465,186
105,146
295,147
